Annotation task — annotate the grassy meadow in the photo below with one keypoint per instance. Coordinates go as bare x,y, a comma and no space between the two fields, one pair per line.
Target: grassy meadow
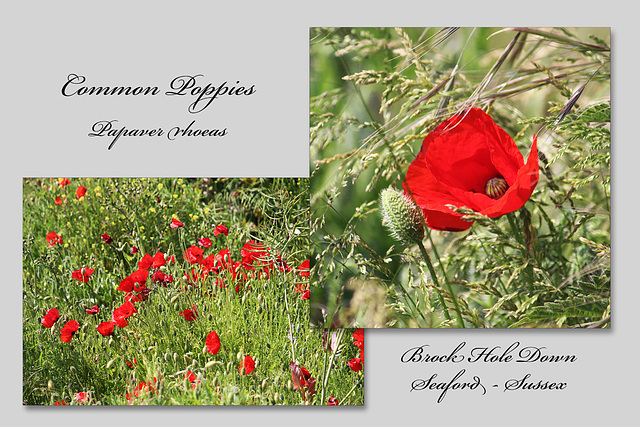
167,291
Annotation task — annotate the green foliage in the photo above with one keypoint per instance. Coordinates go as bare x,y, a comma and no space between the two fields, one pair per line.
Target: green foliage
376,93
261,315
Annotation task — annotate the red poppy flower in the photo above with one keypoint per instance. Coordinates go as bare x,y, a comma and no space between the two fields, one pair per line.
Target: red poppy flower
134,250
251,252
83,274
161,278
123,312
355,364
189,314
306,294
281,264
106,328
131,364
222,259
53,238
126,285
141,389
193,255
213,343
192,378
469,161
205,242
80,192
358,334
107,239
358,338
302,379
221,229
303,270
247,365
158,260
145,262
175,223
58,200
93,310
50,318
70,328
82,397
63,182
135,279
332,401
60,403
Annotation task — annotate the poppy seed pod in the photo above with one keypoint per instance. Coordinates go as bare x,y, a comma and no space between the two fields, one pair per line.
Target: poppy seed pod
468,161
401,216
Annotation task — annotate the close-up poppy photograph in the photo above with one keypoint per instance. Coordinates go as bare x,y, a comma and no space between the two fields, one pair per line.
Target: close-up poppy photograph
176,291
460,177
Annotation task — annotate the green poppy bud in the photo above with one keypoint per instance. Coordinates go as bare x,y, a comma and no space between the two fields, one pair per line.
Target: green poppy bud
401,216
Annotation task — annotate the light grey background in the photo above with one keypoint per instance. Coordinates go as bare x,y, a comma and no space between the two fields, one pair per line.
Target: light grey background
266,44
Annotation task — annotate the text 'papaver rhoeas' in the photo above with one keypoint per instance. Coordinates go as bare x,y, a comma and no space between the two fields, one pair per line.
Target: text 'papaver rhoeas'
469,161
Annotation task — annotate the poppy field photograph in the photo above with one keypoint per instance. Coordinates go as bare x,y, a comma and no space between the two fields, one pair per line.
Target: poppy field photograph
176,291
460,177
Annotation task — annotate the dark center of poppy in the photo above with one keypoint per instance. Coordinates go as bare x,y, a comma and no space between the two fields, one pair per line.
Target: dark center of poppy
496,187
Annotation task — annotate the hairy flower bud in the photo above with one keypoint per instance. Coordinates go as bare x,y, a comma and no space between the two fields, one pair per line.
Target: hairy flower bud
401,216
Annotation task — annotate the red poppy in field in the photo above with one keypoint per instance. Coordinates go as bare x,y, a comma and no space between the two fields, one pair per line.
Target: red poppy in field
122,313
189,314
208,264
63,182
161,278
355,364
280,264
247,365
469,161
80,192
222,259
221,229
303,289
213,343
192,378
332,401
93,310
142,389
69,328
50,318
358,338
106,328
126,285
251,252
58,200
145,262
158,260
193,255
107,239
205,242
134,250
175,223
136,279
82,397
131,364
53,238
302,379
83,274
303,270
60,403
